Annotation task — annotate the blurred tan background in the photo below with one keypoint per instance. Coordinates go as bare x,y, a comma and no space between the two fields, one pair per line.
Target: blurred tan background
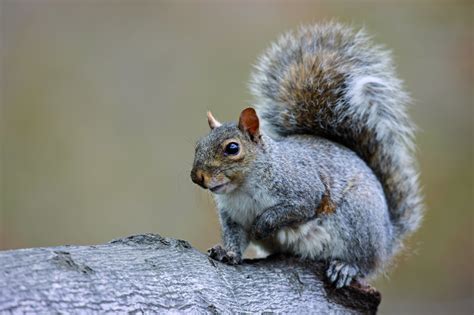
103,100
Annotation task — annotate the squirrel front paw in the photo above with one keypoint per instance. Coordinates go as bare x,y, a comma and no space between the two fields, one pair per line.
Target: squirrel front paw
229,257
341,274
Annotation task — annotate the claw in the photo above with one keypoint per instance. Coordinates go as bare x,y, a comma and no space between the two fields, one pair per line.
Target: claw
341,274
336,270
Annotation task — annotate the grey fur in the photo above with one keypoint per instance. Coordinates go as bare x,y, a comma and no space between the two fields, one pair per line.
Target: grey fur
298,192
369,118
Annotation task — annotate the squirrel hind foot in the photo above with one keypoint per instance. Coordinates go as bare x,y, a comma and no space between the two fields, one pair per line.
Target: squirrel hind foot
341,274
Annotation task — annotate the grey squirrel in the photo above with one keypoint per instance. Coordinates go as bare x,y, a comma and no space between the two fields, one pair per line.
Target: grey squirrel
325,170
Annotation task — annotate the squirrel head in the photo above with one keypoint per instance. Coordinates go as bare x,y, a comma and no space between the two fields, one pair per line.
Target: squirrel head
224,157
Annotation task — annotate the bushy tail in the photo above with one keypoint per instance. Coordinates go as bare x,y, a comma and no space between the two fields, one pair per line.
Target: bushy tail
333,82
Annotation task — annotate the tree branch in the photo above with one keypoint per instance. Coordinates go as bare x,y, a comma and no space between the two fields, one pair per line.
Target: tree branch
149,273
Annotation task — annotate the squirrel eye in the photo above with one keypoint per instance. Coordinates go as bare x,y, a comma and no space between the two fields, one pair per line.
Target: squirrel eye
231,149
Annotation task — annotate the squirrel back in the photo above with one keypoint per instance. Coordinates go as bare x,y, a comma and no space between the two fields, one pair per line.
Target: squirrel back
330,81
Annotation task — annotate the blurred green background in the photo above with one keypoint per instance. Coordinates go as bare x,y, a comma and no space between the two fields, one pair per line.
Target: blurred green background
102,102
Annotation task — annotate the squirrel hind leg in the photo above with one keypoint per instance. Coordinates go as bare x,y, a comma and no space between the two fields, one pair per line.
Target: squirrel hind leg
341,274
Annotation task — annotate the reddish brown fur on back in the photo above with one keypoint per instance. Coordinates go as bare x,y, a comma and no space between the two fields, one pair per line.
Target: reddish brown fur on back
326,206
297,89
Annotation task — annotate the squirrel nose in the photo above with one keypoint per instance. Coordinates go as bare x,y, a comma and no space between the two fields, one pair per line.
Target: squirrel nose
198,178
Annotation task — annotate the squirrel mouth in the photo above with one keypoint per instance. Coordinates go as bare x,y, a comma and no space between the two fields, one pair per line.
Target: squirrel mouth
218,188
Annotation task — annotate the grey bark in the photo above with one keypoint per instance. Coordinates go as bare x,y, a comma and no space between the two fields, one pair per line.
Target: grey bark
151,274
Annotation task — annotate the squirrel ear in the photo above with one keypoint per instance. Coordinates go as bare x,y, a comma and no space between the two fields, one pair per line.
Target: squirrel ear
249,123
213,123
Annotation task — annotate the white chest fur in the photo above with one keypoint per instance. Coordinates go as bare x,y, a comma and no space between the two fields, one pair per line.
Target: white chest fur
243,207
